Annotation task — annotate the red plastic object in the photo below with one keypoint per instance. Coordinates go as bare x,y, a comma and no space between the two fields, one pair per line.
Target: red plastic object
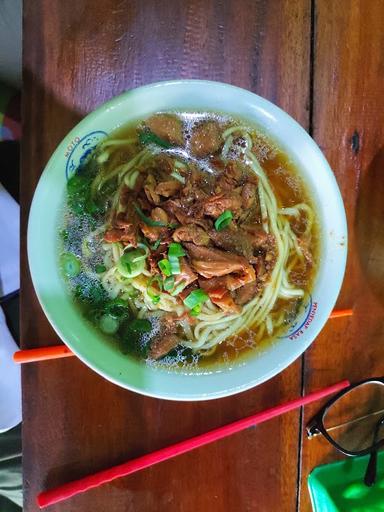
70,489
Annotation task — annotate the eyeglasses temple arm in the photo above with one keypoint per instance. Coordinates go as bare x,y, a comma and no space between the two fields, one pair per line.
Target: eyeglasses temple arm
370,472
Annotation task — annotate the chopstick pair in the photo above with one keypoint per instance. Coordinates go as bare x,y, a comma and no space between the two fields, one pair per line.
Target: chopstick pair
59,351
70,489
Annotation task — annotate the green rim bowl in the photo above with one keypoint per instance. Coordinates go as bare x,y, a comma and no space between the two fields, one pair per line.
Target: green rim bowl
47,206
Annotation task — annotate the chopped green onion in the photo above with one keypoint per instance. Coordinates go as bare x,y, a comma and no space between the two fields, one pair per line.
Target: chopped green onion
109,324
148,137
70,264
195,298
130,179
117,307
131,263
155,246
64,234
196,310
169,283
178,177
154,293
85,248
179,288
140,325
130,292
148,221
137,256
176,249
100,269
179,165
223,220
175,265
165,267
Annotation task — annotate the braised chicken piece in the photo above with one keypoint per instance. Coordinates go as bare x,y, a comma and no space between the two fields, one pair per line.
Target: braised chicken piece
191,233
166,339
246,293
154,233
187,275
168,188
216,205
209,262
149,189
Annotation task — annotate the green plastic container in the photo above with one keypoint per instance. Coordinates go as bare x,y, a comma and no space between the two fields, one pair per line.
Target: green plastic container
339,487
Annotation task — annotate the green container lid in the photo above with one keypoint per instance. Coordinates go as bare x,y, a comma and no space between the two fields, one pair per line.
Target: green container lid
339,486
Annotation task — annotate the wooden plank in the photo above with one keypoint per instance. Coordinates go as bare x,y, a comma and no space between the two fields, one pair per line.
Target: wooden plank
77,55
348,124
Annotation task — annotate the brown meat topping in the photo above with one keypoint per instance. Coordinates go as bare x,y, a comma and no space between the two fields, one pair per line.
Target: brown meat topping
260,239
212,262
183,214
233,240
167,338
226,303
248,195
154,233
191,233
149,189
218,204
168,188
246,293
229,178
187,275
167,127
206,139
162,345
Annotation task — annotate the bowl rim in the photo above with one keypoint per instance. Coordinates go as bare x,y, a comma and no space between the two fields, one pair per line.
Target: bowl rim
112,104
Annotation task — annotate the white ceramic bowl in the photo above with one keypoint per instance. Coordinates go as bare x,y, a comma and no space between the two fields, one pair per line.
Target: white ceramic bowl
45,218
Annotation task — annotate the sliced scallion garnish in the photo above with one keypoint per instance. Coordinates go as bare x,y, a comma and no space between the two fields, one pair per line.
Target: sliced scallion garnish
70,264
179,288
169,283
195,298
148,137
223,220
176,249
109,324
165,267
154,288
175,265
148,221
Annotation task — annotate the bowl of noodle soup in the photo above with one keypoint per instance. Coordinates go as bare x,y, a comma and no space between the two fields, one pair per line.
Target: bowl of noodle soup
195,242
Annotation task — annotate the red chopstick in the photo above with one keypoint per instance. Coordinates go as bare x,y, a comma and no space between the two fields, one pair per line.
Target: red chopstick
54,352
70,489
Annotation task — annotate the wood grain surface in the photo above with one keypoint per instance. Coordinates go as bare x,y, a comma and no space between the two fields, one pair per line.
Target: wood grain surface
79,53
348,124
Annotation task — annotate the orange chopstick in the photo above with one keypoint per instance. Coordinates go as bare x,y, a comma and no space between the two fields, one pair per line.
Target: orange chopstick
41,354
58,351
339,313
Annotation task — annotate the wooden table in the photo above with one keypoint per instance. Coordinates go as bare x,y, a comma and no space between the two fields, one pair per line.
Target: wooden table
323,62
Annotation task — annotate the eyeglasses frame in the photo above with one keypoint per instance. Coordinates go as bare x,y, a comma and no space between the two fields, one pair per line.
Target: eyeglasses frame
316,424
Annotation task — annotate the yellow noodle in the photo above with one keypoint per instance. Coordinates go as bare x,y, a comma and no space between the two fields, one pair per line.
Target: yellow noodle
213,325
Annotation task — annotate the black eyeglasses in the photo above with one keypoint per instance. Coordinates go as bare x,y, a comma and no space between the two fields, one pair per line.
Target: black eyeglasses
353,422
